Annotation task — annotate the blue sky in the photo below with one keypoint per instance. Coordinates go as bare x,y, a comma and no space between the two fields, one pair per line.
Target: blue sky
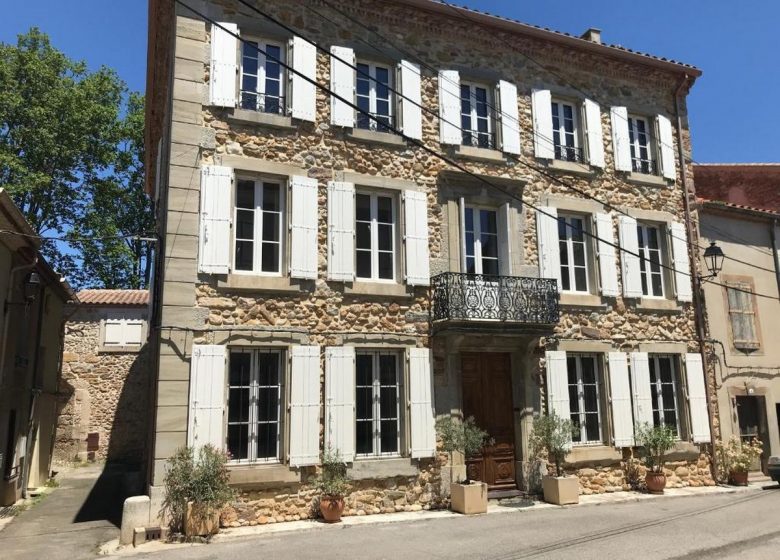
732,107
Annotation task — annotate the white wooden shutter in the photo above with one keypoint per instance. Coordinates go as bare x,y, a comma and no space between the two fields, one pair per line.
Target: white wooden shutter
304,94
621,142
342,82
224,65
640,388
340,400
547,243
607,254
421,412
341,231
594,133
682,263
620,400
668,161
505,235
697,399
113,334
557,384
510,120
541,106
304,405
418,271
629,257
303,228
216,187
411,104
207,396
449,107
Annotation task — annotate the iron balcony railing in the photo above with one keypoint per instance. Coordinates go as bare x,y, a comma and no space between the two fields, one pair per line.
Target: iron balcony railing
478,139
263,103
483,297
646,166
569,153
381,123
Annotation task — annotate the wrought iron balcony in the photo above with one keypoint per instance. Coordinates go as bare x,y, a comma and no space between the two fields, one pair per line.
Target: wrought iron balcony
569,153
646,166
507,299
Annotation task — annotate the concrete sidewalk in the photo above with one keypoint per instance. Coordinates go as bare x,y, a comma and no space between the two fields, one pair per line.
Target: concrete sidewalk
71,521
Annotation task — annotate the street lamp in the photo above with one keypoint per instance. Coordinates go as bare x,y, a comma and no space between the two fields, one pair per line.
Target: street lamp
713,258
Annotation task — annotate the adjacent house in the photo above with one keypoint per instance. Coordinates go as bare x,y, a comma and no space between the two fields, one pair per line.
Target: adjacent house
739,209
31,324
326,282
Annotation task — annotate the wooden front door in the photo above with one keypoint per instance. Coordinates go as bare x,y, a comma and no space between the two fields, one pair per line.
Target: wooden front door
487,396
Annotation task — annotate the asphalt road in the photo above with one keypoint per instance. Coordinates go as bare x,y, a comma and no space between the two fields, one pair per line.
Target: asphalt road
744,526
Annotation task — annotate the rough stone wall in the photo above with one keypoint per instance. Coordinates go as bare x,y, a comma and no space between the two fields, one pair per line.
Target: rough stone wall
103,392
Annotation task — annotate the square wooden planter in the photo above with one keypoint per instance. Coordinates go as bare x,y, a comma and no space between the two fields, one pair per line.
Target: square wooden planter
561,490
469,499
201,521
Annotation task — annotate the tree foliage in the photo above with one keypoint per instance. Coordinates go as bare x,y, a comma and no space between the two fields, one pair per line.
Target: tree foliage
71,152
551,439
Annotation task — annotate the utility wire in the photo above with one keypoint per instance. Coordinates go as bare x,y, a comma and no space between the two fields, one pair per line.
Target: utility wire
420,144
81,239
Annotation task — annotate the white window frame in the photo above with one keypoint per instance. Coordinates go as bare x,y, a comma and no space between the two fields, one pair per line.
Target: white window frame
374,225
477,232
259,213
656,388
557,106
372,93
579,441
122,319
254,392
261,76
644,258
377,403
570,253
636,146
473,118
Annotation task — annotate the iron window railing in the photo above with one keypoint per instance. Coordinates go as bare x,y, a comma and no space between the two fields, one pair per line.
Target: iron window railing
459,296
263,102
569,153
479,139
383,123
646,166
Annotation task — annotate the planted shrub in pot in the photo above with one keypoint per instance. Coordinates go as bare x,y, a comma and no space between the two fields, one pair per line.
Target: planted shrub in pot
736,458
466,496
332,486
196,490
655,442
551,441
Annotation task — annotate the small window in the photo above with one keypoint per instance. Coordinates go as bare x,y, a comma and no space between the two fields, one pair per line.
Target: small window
566,131
373,95
742,315
258,221
262,77
254,401
663,389
123,331
476,119
375,245
481,240
642,157
650,259
377,414
574,253
584,403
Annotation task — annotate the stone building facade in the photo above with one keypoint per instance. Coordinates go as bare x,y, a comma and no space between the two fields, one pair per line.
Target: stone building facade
338,267
104,385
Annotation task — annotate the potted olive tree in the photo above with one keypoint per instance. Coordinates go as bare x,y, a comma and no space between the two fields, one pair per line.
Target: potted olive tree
196,490
551,441
735,458
655,442
332,485
466,496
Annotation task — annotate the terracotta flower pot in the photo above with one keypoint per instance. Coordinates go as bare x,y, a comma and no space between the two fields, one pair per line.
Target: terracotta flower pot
656,482
738,478
331,508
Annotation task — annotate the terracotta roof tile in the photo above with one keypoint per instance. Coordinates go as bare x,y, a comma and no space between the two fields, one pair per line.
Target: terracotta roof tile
750,186
114,297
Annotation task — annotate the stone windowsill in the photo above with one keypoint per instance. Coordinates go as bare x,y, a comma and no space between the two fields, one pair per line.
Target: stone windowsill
479,154
658,304
684,451
362,469
588,455
374,137
244,116
571,168
379,289
120,349
252,282
647,180
581,300
260,473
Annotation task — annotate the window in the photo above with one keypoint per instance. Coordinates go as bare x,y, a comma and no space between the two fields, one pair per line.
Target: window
262,77
377,396
374,96
584,380
574,253
650,259
565,131
663,388
374,237
481,238
475,118
258,226
742,315
254,398
123,330
642,160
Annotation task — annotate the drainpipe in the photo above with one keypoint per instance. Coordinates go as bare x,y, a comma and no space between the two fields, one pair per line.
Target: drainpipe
698,292
776,253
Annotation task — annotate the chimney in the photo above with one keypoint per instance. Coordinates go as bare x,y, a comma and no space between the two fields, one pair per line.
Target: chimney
593,35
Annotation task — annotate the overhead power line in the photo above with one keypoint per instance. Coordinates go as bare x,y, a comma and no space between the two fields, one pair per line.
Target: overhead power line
82,239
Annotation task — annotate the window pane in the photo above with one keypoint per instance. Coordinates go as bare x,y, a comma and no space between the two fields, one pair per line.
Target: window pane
470,244
488,221
244,255
270,226
364,437
574,399
384,209
565,281
470,265
364,369
363,403
579,253
591,398
388,402
670,418
363,207
490,267
489,245
238,405
267,368
563,247
363,81
385,235
271,197
389,436
266,440
270,257
363,264
267,404
363,235
592,427
240,362
245,194
469,217
238,441
385,266
665,367
588,369
580,279
245,224
387,369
